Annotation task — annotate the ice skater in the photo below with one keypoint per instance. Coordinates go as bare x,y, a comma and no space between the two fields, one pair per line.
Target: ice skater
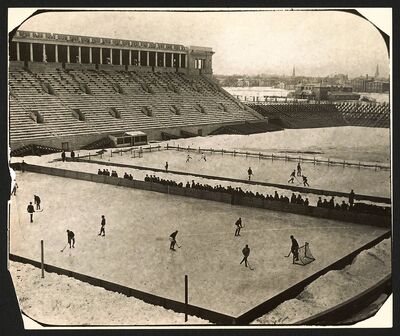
103,224
36,200
294,249
30,210
246,253
238,226
305,183
166,166
292,177
172,238
298,169
249,172
188,158
203,157
14,190
71,238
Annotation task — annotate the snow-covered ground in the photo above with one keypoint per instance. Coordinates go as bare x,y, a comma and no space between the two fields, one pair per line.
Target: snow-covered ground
335,287
61,300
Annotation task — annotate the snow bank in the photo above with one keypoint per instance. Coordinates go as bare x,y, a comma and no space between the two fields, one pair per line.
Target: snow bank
61,300
334,287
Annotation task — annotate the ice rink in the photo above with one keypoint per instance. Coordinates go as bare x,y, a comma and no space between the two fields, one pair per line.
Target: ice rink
135,251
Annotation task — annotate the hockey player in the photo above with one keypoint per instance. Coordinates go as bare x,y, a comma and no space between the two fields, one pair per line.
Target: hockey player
30,210
103,224
166,166
172,238
298,169
36,200
249,172
188,158
63,156
15,187
292,177
246,253
71,238
294,249
238,226
203,157
305,183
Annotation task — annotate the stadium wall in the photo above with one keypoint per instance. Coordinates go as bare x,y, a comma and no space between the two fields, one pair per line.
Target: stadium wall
343,216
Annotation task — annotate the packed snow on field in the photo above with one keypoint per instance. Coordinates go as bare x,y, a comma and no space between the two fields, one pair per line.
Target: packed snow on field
66,301
335,287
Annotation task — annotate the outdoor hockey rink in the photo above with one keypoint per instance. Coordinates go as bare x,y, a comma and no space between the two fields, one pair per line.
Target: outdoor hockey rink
135,251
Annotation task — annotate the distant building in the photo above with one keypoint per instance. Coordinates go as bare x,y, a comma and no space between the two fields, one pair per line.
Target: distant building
360,83
377,86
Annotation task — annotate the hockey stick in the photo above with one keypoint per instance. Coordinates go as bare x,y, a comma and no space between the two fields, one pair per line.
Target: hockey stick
40,210
251,269
64,248
288,254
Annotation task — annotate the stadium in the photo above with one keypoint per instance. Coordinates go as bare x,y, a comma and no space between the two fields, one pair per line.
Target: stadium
127,142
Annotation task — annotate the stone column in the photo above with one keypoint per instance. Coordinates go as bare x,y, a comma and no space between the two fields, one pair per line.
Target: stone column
186,60
31,52
139,57
130,57
148,58
111,56
18,54
44,56
156,59
56,53
90,55
120,56
101,55
164,59
179,61
68,58
79,54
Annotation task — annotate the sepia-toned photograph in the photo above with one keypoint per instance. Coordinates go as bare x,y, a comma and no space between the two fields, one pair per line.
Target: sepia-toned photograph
200,168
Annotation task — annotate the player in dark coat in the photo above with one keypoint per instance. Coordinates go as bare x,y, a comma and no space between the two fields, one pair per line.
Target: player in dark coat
72,155
71,238
103,224
36,200
172,238
30,210
249,172
166,166
238,226
292,177
294,249
351,198
298,169
305,183
63,156
246,253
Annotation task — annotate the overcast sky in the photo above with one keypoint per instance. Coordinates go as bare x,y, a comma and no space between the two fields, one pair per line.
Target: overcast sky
316,43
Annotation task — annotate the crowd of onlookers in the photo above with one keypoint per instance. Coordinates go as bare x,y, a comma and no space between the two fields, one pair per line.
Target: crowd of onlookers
238,192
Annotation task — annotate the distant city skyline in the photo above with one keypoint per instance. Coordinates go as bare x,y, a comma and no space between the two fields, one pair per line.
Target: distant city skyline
316,43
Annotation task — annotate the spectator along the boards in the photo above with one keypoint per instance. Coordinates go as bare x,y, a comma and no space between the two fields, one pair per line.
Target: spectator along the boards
63,156
351,198
166,166
72,155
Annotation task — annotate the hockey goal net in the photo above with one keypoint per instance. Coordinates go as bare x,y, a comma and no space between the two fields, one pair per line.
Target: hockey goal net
305,255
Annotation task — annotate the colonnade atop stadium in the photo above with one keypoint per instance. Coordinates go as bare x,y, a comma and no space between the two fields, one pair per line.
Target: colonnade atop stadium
27,46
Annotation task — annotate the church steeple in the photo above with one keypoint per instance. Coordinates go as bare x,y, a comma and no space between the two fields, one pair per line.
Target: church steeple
377,71
294,72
